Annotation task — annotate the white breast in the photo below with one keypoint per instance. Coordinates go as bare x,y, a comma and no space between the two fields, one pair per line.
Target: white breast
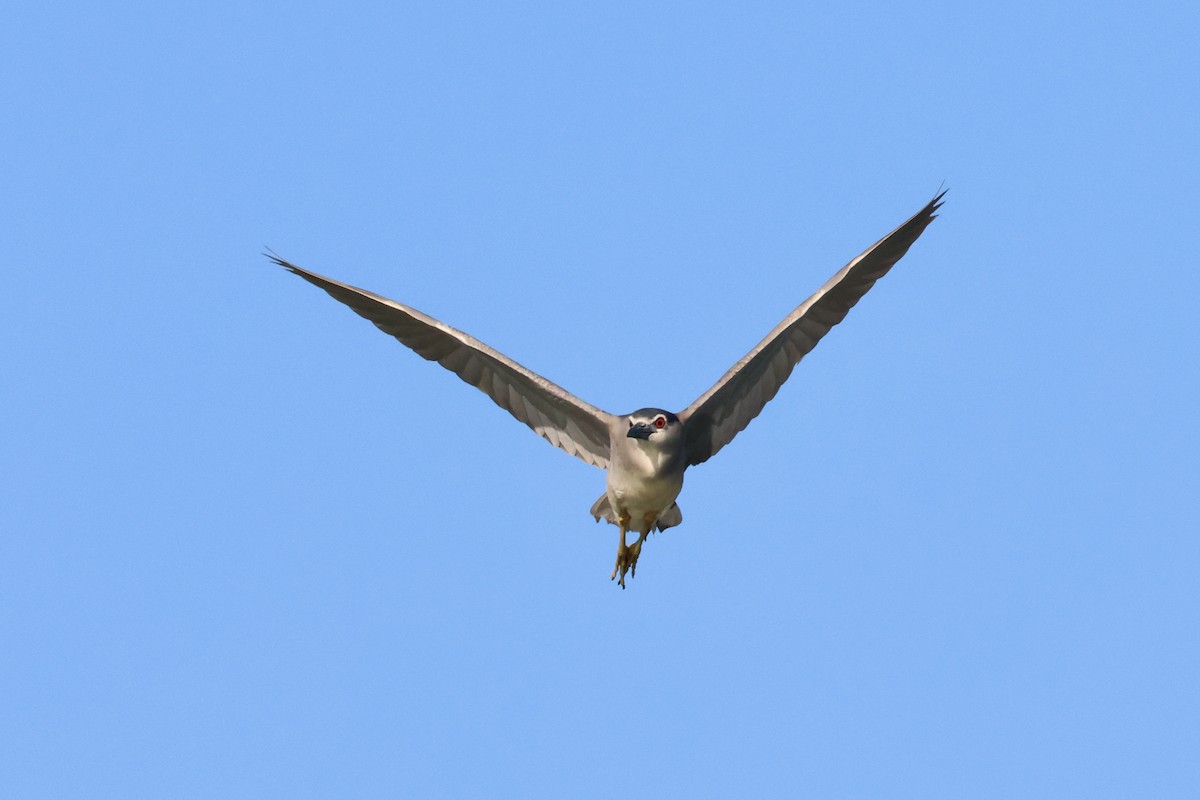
641,480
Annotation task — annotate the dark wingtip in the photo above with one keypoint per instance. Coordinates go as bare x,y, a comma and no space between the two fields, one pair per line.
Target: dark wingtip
277,260
936,202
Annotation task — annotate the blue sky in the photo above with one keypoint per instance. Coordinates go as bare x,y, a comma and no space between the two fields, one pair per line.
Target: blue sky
253,548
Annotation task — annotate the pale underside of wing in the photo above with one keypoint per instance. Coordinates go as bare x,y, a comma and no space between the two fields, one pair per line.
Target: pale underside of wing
738,397
552,412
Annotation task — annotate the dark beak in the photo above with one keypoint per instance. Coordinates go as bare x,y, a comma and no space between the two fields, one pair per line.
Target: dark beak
640,431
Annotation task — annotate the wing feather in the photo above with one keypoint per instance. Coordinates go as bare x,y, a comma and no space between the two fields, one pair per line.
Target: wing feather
728,407
552,412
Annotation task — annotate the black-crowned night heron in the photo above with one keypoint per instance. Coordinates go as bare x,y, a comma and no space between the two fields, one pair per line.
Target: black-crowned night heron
645,453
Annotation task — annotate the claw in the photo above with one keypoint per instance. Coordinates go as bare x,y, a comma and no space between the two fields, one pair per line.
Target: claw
627,554
620,566
627,558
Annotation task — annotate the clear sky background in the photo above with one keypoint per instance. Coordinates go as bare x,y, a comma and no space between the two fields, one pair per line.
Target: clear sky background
253,548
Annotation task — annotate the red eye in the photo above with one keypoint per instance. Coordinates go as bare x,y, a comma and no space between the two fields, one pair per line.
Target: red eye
660,422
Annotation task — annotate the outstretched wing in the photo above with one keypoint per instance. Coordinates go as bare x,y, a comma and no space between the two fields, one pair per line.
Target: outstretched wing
724,410
552,412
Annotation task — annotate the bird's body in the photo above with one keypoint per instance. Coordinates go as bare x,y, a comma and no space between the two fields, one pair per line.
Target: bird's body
644,477
645,485
647,452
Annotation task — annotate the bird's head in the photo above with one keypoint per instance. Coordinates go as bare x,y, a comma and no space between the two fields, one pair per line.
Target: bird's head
655,427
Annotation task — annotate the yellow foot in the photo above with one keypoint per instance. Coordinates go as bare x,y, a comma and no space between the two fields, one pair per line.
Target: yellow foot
627,558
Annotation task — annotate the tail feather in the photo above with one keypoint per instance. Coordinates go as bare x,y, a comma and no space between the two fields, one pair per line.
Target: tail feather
603,508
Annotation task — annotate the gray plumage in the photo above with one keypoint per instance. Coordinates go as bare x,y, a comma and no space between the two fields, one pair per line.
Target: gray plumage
644,453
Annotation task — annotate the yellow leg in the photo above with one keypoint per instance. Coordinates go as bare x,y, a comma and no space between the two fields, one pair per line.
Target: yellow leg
635,549
627,554
623,564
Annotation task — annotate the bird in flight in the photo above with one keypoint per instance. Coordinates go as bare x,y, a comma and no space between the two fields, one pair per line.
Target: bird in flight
645,453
